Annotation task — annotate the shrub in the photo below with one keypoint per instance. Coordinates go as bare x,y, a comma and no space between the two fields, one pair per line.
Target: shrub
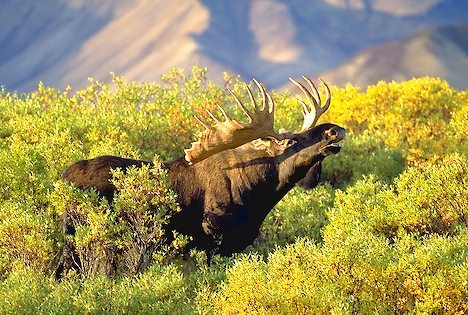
23,291
364,155
144,205
413,116
25,237
393,240
300,213
376,256
97,236
123,237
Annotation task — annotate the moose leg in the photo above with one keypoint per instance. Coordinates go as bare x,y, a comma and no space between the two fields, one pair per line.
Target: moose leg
228,230
69,260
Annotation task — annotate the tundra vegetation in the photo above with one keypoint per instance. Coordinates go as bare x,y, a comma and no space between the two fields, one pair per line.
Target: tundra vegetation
386,232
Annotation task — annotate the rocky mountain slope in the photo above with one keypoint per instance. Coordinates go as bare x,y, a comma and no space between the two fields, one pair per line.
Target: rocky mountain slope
437,52
64,42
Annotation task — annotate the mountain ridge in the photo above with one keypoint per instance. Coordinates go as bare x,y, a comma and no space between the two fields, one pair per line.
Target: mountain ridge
64,42
440,52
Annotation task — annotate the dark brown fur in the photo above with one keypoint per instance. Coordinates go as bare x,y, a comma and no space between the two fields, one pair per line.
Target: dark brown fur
312,178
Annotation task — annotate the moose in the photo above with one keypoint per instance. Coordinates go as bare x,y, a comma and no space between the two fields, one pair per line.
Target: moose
232,177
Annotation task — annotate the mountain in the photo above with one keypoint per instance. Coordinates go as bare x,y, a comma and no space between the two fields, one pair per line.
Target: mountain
441,52
63,42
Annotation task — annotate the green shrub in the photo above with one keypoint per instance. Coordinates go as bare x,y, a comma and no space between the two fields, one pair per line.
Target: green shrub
126,236
144,205
23,291
363,155
393,240
376,256
300,213
412,116
292,281
25,237
162,289
98,231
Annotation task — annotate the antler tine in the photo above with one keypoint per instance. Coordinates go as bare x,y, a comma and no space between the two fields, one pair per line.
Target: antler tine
252,99
212,116
309,112
328,96
312,115
226,116
243,108
309,116
314,89
264,114
264,93
203,123
305,91
271,108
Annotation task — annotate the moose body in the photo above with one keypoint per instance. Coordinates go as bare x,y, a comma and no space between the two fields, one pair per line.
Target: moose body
224,197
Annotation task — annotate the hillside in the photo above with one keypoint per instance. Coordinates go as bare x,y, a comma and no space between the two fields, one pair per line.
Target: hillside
64,42
441,52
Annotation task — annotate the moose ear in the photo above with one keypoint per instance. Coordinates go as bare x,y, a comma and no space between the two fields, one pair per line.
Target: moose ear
272,146
263,144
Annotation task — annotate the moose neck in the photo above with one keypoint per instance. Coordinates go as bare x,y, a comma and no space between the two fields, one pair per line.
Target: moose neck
294,164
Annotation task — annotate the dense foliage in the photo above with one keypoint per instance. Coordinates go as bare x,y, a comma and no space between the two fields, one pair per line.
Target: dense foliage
387,233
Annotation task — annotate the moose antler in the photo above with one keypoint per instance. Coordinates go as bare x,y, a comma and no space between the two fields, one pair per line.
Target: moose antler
230,133
313,111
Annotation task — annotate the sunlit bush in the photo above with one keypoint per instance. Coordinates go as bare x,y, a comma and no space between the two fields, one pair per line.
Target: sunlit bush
386,232
158,290
301,213
363,155
126,236
25,237
387,249
389,126
144,205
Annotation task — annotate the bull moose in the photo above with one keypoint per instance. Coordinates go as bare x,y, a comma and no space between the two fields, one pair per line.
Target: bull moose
231,178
